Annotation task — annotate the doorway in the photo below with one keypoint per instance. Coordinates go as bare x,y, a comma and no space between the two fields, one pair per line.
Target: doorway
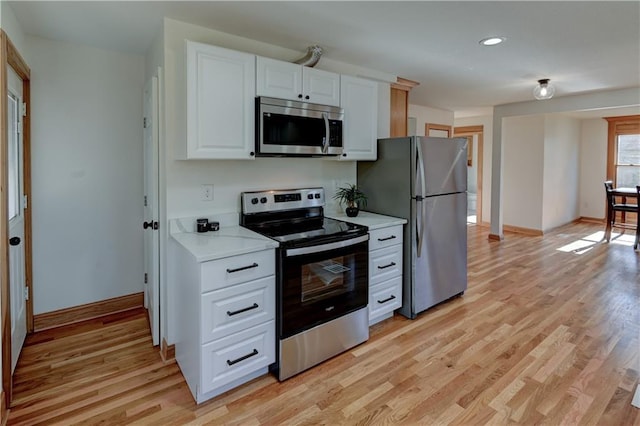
474,135
15,210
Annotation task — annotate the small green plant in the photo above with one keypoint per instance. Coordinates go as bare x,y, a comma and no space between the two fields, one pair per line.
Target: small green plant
351,196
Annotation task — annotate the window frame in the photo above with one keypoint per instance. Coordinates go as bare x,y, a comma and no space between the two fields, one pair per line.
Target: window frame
623,125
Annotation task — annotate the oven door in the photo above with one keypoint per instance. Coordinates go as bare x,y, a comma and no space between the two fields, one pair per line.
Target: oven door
323,282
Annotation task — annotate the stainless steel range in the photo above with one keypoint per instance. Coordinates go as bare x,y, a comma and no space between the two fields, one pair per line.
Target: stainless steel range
321,274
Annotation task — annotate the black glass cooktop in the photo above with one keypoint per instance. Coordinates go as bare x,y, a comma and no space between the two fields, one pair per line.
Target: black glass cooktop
308,230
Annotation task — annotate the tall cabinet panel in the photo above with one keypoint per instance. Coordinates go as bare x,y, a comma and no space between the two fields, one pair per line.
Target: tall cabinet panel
359,99
220,111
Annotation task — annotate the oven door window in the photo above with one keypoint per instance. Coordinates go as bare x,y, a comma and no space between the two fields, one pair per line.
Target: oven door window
319,287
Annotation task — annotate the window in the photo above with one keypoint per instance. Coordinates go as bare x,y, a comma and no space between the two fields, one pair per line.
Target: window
623,159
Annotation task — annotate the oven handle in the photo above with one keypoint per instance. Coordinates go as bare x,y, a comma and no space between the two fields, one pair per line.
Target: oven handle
326,247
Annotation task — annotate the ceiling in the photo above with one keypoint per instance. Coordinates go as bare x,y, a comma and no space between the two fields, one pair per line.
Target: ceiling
581,46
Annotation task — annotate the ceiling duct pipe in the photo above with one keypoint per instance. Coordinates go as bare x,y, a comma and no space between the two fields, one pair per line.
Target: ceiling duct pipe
311,58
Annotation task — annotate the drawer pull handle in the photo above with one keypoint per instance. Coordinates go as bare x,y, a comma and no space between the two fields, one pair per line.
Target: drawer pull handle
231,271
388,299
387,266
239,311
387,238
242,358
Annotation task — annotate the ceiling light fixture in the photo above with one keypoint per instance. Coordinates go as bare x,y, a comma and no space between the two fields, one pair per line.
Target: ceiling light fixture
491,41
544,89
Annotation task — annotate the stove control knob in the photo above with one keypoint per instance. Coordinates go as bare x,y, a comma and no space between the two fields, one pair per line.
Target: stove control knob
310,196
254,201
317,195
263,200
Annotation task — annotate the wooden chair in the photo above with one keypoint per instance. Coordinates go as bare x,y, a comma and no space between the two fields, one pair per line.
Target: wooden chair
612,208
635,245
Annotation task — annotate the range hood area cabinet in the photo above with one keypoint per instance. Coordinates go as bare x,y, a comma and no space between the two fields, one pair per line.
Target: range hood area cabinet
286,80
221,89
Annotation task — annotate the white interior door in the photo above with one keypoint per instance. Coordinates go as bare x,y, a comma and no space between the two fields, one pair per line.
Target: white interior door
151,235
16,206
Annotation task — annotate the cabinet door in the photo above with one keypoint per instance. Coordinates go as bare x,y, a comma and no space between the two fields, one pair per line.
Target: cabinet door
220,103
359,99
320,87
278,79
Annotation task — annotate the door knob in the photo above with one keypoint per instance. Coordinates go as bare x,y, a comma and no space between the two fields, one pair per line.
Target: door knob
151,224
14,241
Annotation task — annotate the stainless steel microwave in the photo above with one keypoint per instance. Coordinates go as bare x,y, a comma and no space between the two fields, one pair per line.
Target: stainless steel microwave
291,128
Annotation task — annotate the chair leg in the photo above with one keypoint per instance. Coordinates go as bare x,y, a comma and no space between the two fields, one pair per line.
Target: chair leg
607,230
635,245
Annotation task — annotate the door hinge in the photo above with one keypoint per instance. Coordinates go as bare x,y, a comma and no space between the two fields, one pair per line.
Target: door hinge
146,278
26,293
23,108
144,122
145,201
25,201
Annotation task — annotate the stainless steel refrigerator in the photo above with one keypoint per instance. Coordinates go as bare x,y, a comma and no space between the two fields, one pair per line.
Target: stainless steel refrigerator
424,180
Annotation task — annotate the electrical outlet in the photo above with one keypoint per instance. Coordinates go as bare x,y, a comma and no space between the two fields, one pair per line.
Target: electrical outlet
206,192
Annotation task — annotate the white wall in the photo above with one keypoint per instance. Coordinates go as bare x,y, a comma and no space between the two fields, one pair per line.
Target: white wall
11,27
86,173
620,98
523,139
593,167
424,115
230,178
561,171
486,121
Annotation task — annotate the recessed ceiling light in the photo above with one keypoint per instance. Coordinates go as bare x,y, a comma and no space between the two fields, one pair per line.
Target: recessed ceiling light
492,41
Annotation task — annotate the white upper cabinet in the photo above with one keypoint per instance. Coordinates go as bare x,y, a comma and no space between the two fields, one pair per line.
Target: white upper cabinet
220,103
359,99
286,80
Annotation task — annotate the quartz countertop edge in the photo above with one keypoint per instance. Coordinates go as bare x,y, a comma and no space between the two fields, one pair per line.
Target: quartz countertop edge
226,242
370,220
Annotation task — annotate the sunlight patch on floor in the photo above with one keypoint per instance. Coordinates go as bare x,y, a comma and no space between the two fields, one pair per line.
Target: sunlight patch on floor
586,243
471,218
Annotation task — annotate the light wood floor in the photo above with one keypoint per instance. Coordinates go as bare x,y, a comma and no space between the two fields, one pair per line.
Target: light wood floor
541,336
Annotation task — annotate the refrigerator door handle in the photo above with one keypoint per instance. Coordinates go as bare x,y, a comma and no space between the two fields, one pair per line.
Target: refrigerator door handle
420,225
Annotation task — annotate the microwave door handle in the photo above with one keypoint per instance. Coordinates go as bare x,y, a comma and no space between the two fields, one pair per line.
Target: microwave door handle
325,140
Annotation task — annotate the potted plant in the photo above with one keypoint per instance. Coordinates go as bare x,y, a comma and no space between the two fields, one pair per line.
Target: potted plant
352,197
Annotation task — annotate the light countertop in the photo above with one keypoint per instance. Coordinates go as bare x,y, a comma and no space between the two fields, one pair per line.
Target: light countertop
370,220
229,241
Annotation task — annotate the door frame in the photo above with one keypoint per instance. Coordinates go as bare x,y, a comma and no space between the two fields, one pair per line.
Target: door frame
9,56
465,131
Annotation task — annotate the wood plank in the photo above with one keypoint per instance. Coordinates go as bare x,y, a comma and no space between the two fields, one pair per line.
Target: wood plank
541,336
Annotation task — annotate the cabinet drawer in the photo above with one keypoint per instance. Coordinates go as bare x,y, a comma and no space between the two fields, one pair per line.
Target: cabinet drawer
385,237
222,273
238,307
237,355
385,264
385,297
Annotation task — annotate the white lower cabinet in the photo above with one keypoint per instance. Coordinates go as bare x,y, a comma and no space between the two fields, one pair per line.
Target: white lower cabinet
385,272
226,320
